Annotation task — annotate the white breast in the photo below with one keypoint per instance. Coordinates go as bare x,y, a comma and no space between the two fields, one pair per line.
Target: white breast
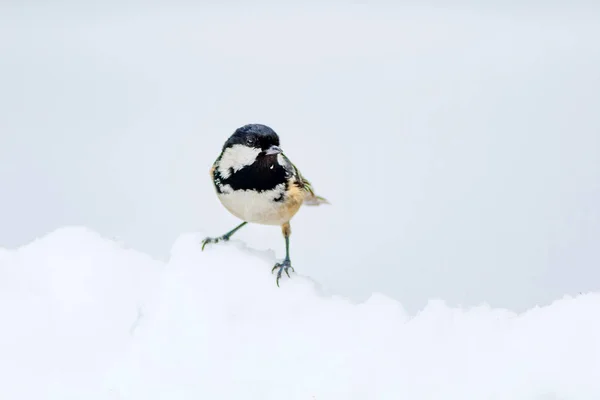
252,206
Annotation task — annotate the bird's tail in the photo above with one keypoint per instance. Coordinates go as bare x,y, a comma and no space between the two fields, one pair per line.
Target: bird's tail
310,198
314,200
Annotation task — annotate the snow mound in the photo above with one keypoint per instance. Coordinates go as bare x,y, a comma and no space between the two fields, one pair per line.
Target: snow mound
68,305
84,318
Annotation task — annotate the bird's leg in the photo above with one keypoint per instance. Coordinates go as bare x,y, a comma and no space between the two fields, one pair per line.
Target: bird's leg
223,238
286,264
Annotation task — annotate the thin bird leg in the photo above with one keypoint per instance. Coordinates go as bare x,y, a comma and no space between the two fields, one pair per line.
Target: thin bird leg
223,238
286,264
287,248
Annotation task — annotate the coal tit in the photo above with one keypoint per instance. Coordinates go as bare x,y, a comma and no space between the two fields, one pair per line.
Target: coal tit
257,183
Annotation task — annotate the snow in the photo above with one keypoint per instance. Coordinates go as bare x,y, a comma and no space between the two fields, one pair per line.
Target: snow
84,318
68,303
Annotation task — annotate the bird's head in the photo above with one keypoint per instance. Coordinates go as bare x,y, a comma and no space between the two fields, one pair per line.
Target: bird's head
246,145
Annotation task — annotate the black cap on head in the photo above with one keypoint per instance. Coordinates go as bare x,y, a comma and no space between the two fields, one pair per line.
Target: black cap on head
253,135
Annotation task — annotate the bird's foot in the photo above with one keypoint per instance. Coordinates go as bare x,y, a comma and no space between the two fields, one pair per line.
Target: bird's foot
283,267
208,240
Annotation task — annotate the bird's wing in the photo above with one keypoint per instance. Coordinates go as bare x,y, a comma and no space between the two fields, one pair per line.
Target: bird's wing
311,199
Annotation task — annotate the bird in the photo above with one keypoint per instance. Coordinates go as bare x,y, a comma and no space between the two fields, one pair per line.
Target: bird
257,183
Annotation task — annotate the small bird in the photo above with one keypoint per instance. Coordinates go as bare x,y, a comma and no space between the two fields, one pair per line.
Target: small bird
257,183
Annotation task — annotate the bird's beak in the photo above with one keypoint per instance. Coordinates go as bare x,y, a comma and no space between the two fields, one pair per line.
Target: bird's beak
273,150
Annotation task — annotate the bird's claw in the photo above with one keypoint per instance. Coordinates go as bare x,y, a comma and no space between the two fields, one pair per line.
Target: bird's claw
285,266
214,240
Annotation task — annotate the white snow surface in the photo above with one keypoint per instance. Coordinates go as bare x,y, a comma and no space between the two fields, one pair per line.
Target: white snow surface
84,318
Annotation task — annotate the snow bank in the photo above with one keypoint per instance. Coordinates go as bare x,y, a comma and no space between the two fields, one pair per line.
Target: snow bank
83,318
68,306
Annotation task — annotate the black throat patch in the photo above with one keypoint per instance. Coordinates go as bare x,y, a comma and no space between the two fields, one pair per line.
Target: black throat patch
263,175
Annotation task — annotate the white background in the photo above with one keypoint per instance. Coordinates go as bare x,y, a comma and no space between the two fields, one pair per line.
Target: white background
458,145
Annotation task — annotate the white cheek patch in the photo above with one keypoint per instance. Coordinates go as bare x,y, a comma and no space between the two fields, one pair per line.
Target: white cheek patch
280,160
236,157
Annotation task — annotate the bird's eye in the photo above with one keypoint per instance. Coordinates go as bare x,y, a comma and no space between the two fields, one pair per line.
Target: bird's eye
250,141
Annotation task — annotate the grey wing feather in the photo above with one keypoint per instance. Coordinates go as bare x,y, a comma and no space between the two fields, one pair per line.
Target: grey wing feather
311,198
